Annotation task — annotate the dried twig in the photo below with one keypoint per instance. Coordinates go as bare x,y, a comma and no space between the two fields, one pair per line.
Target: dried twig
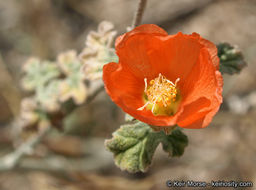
139,13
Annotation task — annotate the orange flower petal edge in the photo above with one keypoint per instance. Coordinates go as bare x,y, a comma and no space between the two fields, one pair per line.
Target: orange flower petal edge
164,80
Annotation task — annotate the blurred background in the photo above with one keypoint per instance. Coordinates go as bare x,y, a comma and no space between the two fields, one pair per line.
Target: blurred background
76,159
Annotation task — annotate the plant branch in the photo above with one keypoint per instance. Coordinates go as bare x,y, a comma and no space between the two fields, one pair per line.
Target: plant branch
139,13
95,88
11,160
93,160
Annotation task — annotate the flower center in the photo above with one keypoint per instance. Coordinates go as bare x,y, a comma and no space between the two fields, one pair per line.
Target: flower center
161,96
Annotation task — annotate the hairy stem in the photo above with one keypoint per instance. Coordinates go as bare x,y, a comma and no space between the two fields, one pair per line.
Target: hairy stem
11,160
93,161
139,13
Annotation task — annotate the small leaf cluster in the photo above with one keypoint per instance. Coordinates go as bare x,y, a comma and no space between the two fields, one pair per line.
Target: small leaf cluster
59,86
98,51
52,85
231,58
55,82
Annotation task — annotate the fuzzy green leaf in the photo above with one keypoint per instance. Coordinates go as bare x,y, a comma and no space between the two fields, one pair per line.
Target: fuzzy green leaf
175,143
133,145
109,55
47,96
231,59
98,51
129,118
69,63
38,73
130,145
72,87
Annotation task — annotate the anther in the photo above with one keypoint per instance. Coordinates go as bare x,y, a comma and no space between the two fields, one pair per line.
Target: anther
160,91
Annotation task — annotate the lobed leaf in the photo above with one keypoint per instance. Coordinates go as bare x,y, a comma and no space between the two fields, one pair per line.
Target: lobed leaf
69,62
98,51
133,145
47,96
175,143
38,73
72,87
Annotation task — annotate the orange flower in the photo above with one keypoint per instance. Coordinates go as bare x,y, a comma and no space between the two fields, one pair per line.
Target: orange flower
164,80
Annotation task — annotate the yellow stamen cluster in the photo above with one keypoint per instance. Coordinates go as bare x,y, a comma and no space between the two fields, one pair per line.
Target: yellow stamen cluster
160,91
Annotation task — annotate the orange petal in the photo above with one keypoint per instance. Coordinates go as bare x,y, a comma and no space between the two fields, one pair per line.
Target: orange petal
126,91
122,86
213,51
150,29
177,56
146,56
203,81
147,51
